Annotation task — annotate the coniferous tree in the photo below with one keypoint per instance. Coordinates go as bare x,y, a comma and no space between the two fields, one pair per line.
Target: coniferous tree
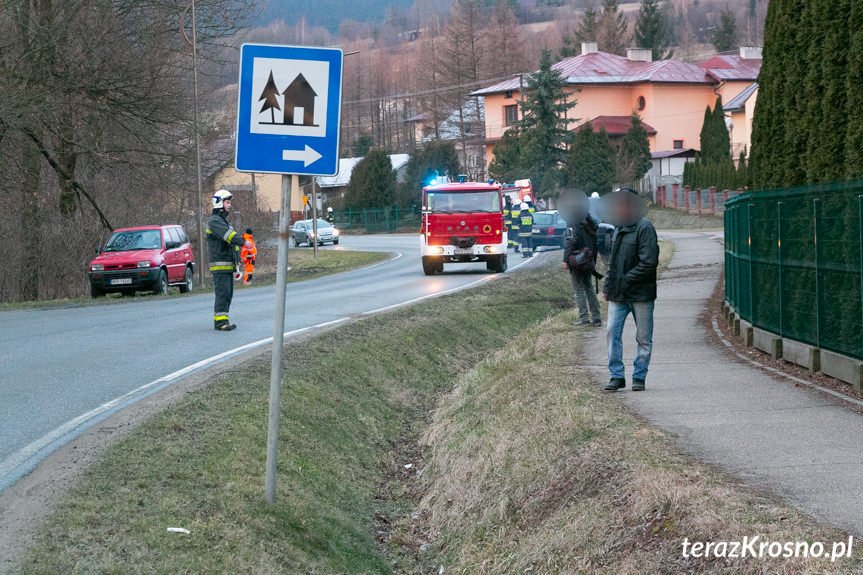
813,87
725,33
651,30
766,126
834,104
373,182
587,30
506,166
715,140
544,125
613,30
854,131
633,159
590,161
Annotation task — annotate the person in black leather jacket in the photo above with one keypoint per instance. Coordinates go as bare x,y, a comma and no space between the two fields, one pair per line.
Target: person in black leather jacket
578,238
630,287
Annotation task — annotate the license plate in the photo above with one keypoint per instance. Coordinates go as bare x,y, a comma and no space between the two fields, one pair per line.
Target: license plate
121,281
536,231
463,252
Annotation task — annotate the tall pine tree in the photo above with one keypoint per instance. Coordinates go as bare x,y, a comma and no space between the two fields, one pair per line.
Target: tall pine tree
544,125
725,33
613,30
587,30
651,30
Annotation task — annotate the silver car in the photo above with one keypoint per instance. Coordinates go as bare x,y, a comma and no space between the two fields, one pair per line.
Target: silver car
303,233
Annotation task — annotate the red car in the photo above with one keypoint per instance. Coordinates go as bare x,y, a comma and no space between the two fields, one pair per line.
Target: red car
146,258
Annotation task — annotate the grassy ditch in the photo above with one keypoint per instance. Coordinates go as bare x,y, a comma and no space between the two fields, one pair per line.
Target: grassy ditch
460,432
303,267
353,399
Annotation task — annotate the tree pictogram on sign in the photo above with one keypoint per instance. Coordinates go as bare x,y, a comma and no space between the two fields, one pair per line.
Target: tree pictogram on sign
269,97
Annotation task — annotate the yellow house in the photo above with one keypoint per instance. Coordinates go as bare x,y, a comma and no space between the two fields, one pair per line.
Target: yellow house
669,95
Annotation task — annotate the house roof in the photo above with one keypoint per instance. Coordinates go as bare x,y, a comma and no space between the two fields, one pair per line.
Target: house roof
449,128
738,102
346,168
605,68
731,67
617,125
688,153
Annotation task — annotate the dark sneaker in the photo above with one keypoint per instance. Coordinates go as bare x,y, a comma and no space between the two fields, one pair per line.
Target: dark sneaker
597,322
225,326
615,383
637,385
582,322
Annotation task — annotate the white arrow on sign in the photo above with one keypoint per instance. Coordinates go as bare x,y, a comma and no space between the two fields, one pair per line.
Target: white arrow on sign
307,156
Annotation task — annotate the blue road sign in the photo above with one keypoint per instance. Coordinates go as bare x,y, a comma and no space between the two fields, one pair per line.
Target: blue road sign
288,109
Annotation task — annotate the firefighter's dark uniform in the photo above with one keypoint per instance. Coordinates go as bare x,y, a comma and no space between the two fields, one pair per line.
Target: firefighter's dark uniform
525,233
507,222
222,243
513,229
330,217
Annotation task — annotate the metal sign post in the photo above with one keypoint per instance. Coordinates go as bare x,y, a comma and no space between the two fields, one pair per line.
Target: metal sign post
315,218
288,121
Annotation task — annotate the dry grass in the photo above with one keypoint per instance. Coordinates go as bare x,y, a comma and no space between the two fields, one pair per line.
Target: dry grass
532,469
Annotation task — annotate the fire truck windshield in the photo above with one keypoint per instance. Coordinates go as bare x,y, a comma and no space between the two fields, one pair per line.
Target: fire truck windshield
445,202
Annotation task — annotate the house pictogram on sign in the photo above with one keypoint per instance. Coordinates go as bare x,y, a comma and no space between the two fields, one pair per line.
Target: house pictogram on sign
300,101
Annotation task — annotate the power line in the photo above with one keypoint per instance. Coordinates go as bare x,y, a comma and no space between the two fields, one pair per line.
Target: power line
432,90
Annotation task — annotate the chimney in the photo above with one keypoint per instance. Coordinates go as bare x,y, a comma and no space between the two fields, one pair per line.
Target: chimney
639,54
589,48
750,52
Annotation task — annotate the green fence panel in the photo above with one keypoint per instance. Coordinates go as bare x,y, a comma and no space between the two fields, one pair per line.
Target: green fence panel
794,263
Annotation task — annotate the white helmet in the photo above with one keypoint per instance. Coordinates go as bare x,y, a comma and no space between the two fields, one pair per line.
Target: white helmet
527,198
220,197
594,195
524,206
329,209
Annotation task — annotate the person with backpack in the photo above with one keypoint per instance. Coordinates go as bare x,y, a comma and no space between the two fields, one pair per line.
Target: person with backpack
579,257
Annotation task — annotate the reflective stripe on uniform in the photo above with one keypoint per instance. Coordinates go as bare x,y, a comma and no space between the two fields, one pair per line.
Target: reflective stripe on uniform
220,318
229,235
221,267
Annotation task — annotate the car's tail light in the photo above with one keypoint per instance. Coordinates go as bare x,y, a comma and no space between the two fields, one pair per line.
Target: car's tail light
550,231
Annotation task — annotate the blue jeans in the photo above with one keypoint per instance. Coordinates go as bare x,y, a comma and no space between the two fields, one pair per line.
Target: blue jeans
642,312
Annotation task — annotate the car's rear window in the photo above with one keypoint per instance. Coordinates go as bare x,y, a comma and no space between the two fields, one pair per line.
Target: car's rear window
134,240
543,219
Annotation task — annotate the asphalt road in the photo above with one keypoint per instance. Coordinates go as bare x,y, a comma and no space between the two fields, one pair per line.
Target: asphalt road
62,370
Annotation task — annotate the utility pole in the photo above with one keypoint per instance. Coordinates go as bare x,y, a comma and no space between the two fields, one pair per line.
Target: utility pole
198,185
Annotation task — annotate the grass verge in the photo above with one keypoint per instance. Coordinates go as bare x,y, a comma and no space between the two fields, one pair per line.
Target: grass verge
523,467
353,397
303,267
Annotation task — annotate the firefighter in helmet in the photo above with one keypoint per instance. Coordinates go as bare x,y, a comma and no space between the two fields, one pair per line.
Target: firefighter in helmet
525,230
223,243
514,227
330,217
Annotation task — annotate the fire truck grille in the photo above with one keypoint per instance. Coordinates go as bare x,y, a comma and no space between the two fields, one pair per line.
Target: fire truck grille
461,242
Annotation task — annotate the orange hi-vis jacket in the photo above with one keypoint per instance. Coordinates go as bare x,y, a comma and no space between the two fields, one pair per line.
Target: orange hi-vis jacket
248,255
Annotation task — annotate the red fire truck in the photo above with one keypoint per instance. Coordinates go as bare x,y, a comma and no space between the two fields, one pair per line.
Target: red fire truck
463,222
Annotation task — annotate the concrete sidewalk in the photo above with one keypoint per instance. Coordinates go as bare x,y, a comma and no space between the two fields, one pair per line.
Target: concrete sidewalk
793,440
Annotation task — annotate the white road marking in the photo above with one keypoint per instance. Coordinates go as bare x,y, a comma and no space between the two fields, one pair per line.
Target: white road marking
20,457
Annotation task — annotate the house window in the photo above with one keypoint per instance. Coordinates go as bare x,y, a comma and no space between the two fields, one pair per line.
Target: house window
678,144
510,114
508,95
467,128
641,103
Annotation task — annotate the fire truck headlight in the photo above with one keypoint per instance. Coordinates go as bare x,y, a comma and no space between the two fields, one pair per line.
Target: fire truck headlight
490,249
436,251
